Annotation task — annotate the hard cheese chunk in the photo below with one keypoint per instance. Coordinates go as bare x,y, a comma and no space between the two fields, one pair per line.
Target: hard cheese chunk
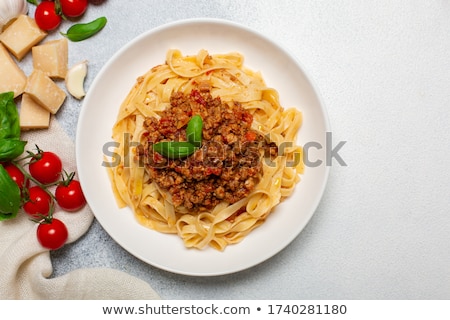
52,58
21,36
32,114
45,91
12,78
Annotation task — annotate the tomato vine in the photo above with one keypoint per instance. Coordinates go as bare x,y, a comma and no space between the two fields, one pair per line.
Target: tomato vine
41,184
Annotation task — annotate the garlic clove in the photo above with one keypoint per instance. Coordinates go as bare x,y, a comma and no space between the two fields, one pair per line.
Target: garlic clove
75,79
11,9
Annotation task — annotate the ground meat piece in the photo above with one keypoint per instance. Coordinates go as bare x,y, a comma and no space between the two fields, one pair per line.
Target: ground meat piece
228,165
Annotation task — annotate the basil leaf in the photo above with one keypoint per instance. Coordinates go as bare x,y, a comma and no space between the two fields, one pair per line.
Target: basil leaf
174,149
10,144
82,31
11,148
9,117
194,130
9,196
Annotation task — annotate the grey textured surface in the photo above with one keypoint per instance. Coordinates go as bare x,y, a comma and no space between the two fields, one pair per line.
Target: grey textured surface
382,228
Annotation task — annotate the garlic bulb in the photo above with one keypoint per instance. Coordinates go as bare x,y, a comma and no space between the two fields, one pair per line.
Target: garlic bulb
10,9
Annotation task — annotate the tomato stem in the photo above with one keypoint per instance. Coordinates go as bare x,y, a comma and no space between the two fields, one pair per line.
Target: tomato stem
34,156
42,218
67,178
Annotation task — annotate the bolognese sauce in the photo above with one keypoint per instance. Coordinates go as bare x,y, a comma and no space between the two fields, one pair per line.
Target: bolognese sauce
228,164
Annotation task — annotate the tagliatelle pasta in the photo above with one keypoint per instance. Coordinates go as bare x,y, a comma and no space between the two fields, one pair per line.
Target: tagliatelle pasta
135,183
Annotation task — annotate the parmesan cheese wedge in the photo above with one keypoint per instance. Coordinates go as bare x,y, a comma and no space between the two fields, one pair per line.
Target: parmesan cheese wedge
21,36
51,58
12,78
32,114
45,91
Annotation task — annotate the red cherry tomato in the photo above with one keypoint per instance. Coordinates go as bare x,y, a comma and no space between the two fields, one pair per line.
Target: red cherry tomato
46,17
46,168
17,175
52,235
73,8
38,203
70,197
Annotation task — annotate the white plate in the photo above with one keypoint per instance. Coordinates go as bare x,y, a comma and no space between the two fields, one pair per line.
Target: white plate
280,70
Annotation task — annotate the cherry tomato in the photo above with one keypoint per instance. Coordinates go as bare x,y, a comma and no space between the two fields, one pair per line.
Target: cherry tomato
52,235
73,8
46,17
17,175
70,197
38,203
46,168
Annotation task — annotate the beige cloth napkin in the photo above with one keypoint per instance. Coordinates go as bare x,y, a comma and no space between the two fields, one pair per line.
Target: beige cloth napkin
25,266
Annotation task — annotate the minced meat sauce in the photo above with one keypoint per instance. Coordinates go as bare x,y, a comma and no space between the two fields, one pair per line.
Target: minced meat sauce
226,167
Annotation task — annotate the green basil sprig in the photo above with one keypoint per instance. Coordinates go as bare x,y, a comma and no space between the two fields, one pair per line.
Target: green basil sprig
82,31
182,149
10,148
10,144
